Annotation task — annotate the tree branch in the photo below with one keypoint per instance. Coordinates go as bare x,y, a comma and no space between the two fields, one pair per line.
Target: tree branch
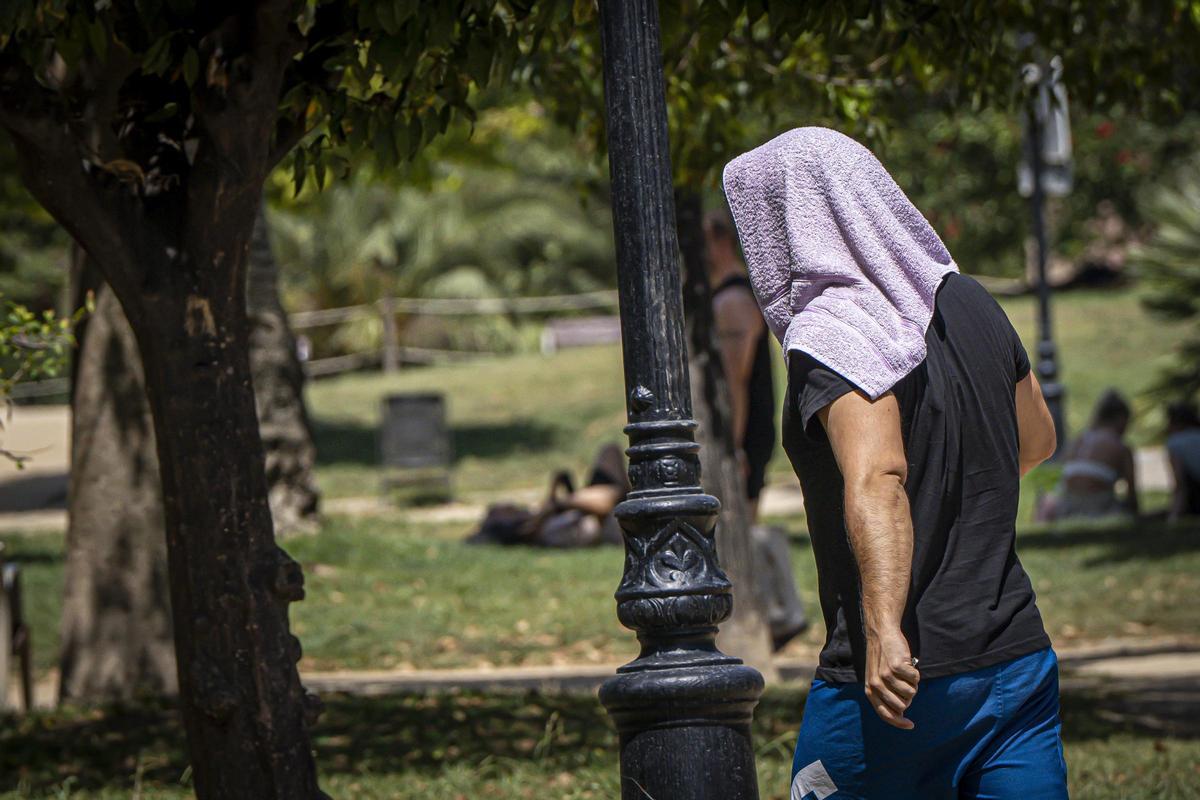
54,167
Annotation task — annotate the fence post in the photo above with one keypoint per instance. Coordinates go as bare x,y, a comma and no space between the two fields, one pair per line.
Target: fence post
683,708
391,336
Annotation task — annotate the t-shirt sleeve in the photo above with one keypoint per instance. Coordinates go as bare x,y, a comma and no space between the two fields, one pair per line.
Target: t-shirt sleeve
817,387
1021,365
1021,360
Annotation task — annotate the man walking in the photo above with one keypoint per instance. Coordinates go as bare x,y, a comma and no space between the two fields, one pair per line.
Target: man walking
746,360
910,416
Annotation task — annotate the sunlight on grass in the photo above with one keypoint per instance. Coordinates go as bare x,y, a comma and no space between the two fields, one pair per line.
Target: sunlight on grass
516,419
390,593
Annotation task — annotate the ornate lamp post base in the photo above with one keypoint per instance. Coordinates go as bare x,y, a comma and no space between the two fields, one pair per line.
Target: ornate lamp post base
682,708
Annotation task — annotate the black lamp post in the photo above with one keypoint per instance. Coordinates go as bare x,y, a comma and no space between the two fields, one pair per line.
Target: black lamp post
1044,93
682,708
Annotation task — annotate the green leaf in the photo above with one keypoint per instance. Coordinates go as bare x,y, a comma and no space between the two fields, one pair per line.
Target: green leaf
166,112
319,172
402,140
385,12
384,141
441,25
299,170
358,127
389,52
479,59
158,56
98,37
191,66
403,9
414,135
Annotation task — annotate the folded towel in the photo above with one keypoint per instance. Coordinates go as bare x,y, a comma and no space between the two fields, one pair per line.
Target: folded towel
844,267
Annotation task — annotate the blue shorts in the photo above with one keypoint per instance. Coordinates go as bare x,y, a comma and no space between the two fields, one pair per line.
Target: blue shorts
993,733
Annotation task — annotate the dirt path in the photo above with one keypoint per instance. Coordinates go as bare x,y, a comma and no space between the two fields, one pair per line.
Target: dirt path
1150,682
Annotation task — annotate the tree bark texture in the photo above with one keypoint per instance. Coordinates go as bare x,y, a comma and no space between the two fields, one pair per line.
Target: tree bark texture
747,633
243,706
278,378
174,250
116,627
116,618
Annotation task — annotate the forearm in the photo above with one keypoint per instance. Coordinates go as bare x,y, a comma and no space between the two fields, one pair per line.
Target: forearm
879,524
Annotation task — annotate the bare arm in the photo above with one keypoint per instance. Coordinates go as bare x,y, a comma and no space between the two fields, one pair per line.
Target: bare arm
1035,426
739,324
869,448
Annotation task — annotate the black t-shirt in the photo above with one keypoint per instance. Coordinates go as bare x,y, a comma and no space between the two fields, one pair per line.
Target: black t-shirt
970,604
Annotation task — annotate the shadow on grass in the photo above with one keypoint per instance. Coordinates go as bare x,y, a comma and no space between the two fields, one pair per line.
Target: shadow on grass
496,441
396,733
34,492
348,442
1150,541
422,733
345,442
31,550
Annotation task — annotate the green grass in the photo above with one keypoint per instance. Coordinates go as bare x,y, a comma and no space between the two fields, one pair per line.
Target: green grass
1105,340
516,419
392,593
507,746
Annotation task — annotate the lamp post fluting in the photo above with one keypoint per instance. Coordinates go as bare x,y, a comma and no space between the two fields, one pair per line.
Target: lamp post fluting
683,708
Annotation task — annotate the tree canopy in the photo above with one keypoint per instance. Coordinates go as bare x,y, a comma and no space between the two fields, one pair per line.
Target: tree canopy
737,68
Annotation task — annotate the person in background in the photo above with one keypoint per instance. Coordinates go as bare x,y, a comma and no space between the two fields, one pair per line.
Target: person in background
1095,463
1183,449
744,343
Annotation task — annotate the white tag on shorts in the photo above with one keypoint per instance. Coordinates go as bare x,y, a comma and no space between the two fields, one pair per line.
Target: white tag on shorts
813,780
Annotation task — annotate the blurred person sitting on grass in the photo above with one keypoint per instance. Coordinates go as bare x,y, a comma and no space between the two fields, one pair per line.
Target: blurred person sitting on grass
1095,463
1183,449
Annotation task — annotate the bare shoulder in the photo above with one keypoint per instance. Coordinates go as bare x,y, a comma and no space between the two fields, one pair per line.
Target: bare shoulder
736,307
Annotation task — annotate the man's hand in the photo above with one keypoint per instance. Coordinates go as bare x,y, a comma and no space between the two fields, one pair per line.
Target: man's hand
891,678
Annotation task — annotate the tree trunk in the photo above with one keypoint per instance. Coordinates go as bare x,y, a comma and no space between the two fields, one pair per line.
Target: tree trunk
747,633
279,393
116,621
174,249
116,626
243,706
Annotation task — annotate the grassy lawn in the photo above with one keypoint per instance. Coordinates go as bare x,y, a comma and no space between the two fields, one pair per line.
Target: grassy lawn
516,419
390,593
462,746
393,592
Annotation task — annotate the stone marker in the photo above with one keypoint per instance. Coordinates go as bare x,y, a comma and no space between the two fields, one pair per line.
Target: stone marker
415,449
